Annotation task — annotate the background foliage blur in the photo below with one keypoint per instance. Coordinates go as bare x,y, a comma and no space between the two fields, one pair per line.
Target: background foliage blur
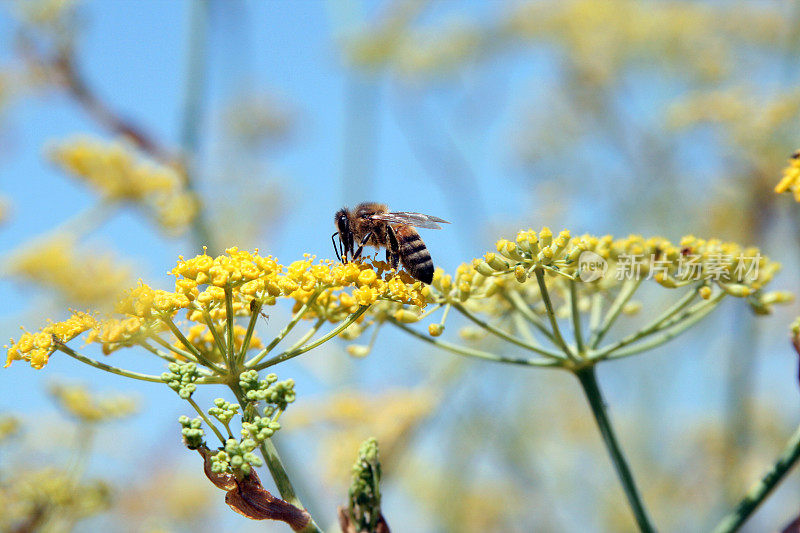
249,123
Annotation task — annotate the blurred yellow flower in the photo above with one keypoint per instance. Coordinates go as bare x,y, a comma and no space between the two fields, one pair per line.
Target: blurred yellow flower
120,174
389,417
790,182
80,403
81,277
53,495
8,426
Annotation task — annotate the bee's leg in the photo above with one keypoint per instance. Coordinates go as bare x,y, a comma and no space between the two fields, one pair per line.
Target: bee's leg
348,246
366,238
393,250
335,247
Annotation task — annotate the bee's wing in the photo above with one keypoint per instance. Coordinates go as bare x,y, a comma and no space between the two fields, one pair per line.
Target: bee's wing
410,219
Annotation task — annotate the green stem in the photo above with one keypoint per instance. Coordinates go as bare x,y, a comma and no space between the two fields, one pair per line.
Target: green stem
514,298
276,468
251,326
278,472
289,354
551,314
173,349
663,337
308,334
588,381
285,331
597,311
189,346
108,368
155,351
206,420
625,293
471,352
505,336
576,315
229,328
759,492
209,320
663,323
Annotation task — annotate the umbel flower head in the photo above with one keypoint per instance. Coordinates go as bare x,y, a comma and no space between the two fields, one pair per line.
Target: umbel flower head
736,270
211,294
521,291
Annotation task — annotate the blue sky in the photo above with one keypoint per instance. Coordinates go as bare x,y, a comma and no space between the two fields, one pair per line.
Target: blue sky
133,54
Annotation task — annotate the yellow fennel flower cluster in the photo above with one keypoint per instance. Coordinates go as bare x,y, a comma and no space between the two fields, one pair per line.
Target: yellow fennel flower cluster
514,260
790,182
251,277
213,292
119,174
601,263
37,347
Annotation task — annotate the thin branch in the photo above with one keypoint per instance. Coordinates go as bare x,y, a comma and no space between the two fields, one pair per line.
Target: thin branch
666,335
77,87
625,293
207,318
206,420
576,316
231,352
285,331
596,312
325,338
308,334
515,299
251,326
521,325
174,349
155,351
551,314
472,352
189,346
506,336
666,320
108,368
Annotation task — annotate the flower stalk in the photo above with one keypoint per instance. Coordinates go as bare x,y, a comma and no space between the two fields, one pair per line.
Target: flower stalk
588,380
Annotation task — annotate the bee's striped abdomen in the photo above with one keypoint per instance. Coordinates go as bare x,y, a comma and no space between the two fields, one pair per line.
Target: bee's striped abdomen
413,254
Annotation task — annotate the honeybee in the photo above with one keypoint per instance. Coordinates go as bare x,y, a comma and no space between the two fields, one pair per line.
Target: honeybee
372,223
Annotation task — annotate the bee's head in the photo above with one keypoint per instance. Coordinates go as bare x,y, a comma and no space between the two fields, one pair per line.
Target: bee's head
342,221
